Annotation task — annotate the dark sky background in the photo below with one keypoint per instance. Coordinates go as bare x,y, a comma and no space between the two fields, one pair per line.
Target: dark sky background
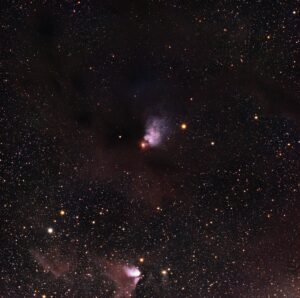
150,148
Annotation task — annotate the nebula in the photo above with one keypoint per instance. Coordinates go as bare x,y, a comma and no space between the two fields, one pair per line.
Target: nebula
156,129
51,263
132,271
124,276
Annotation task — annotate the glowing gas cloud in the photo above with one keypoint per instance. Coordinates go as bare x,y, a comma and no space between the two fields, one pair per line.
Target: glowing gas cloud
156,129
132,271
124,275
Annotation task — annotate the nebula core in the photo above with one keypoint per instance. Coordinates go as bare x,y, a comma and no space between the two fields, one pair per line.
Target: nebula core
156,129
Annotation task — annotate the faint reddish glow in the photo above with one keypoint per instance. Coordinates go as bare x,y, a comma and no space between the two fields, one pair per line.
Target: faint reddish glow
144,144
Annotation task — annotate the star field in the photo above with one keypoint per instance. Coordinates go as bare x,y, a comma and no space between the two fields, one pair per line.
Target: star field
150,149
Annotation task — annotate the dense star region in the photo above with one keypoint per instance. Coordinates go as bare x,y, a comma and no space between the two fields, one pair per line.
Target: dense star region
150,149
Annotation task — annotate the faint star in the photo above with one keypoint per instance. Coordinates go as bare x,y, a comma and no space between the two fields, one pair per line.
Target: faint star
141,260
164,272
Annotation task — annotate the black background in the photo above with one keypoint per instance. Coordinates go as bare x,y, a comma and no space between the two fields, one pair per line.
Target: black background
217,203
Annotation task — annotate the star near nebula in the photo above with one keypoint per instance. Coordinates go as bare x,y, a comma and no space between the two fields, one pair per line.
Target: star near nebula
156,130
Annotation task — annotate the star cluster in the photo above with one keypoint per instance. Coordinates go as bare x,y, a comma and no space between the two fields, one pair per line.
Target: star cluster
150,149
